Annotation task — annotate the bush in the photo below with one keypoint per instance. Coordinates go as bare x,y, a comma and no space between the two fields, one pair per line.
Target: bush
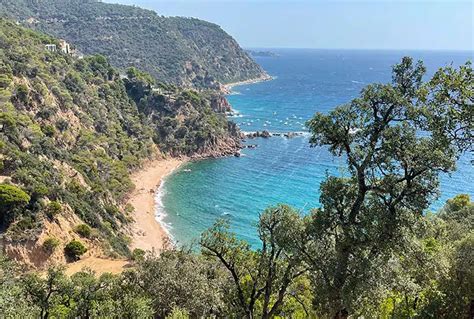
48,130
50,244
138,255
62,125
26,223
178,313
83,230
75,249
53,209
22,92
12,198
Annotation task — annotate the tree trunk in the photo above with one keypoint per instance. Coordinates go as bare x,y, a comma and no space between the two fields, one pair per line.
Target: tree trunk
341,314
471,310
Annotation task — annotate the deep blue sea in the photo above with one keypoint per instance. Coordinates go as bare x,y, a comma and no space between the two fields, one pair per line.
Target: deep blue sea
282,170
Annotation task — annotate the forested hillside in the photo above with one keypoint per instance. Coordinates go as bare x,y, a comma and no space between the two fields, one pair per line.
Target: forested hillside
71,131
177,50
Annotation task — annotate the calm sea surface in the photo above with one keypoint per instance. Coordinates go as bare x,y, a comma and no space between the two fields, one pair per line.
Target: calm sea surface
284,170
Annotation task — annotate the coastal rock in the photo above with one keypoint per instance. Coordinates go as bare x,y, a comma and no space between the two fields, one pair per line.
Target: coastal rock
220,104
264,134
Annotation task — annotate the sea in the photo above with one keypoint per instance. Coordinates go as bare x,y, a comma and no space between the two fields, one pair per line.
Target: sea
280,169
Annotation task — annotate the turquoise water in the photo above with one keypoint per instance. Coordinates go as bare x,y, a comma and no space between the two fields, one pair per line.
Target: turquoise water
284,170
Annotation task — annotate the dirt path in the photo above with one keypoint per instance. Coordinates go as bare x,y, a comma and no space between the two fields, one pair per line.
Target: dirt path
98,265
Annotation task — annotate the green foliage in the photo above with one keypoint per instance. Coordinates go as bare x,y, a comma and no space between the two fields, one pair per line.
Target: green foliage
393,176
178,50
48,130
21,93
458,203
83,230
138,255
84,167
75,249
12,200
432,277
261,278
184,121
178,313
53,209
50,244
13,303
182,279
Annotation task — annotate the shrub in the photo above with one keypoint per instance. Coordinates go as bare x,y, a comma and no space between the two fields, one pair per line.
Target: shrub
75,249
53,209
5,81
26,223
12,198
62,125
22,92
50,244
48,130
129,208
178,313
138,255
83,230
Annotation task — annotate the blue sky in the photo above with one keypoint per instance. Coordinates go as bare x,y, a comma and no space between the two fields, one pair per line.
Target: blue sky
383,24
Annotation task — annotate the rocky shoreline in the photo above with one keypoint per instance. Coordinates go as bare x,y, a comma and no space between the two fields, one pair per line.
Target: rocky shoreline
267,134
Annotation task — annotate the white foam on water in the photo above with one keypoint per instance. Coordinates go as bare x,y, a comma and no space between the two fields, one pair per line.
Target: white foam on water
160,209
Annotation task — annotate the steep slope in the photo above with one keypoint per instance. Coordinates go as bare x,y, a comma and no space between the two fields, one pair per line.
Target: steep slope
72,130
183,51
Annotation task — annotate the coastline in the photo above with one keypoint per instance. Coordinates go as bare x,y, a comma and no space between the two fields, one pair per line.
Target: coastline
148,233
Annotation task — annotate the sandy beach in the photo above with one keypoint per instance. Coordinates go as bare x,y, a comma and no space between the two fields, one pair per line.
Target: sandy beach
148,233
228,87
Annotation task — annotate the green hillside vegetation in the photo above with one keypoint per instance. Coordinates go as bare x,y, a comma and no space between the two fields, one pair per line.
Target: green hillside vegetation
432,277
72,130
177,50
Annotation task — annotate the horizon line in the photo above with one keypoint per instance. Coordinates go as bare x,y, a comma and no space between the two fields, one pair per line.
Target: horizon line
356,49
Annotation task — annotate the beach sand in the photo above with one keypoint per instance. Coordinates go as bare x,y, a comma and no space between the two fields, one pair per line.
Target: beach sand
228,87
148,233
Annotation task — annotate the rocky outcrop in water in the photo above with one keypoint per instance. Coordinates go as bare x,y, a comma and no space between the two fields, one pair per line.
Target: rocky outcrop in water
267,134
264,134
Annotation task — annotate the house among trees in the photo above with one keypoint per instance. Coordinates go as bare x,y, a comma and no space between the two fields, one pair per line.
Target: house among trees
65,47
51,47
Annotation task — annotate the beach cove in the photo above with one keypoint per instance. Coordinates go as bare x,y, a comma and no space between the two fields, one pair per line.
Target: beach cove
280,169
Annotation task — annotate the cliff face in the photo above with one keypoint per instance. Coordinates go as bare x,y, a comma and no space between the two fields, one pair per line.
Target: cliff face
220,104
186,122
183,51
